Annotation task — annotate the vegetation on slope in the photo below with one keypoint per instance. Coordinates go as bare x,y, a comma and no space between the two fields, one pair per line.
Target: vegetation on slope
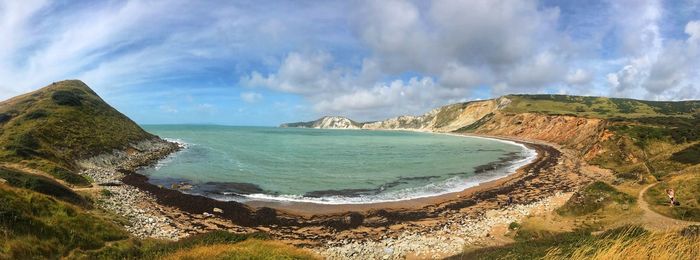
42,185
40,218
50,128
669,245
249,249
212,245
687,191
593,198
559,245
690,155
600,107
34,225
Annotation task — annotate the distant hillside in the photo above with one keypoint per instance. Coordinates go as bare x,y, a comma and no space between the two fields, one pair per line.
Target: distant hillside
49,129
327,122
599,107
616,133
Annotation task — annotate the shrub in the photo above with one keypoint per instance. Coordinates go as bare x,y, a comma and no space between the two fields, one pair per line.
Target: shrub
36,114
4,117
24,145
66,98
592,198
690,155
42,185
106,193
513,225
69,176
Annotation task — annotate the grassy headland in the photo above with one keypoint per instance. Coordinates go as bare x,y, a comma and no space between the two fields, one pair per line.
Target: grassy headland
44,216
49,129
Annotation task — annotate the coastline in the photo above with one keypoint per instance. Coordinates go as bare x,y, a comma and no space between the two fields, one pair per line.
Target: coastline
329,229
256,213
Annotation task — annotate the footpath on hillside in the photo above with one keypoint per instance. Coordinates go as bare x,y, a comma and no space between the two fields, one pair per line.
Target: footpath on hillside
655,221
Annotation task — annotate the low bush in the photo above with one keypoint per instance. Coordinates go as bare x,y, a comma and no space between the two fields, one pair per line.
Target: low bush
69,176
66,98
36,226
4,117
592,198
42,185
36,114
514,226
690,155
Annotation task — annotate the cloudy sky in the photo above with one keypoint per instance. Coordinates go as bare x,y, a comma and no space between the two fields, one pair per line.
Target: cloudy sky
268,62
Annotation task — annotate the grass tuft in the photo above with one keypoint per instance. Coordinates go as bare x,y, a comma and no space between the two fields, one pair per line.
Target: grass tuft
592,198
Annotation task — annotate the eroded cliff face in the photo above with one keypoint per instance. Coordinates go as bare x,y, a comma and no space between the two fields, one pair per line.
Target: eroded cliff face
570,131
444,119
327,122
487,117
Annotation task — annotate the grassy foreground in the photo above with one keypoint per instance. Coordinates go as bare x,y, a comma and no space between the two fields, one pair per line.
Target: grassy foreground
687,193
629,242
36,226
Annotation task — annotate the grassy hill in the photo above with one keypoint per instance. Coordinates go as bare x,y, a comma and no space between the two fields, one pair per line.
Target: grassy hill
600,107
50,128
42,134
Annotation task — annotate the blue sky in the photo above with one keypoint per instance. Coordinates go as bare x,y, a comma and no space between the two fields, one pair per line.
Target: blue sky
268,62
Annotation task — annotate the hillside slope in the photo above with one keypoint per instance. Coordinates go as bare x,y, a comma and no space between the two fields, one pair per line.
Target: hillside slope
52,128
48,139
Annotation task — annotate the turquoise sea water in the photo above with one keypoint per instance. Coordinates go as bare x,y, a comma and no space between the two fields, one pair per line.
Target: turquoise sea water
328,166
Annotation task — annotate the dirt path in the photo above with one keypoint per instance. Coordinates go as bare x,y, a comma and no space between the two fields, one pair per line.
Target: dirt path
655,221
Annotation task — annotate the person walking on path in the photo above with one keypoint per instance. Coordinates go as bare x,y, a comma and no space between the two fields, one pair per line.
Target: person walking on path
671,196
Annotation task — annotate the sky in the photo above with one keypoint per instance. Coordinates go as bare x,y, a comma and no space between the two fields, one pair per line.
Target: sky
269,62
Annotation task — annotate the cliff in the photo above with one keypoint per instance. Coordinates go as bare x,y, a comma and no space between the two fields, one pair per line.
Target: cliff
594,126
327,122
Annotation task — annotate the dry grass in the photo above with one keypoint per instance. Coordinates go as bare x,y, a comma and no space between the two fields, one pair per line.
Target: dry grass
249,249
669,245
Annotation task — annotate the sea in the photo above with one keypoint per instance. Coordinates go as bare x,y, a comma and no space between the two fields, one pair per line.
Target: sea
328,166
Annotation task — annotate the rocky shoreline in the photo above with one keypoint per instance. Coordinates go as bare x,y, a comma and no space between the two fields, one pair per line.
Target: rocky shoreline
432,231
142,215
443,240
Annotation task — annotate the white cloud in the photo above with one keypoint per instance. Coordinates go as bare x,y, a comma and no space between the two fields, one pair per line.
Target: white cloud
454,47
205,108
579,77
369,59
168,109
251,97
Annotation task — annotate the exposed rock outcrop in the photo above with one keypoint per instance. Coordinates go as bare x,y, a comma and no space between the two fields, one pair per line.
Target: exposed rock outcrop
327,122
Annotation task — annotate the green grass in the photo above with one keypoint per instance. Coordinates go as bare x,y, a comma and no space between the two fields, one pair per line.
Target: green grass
158,249
600,107
34,225
592,198
690,155
687,189
538,247
52,127
531,248
246,250
42,185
